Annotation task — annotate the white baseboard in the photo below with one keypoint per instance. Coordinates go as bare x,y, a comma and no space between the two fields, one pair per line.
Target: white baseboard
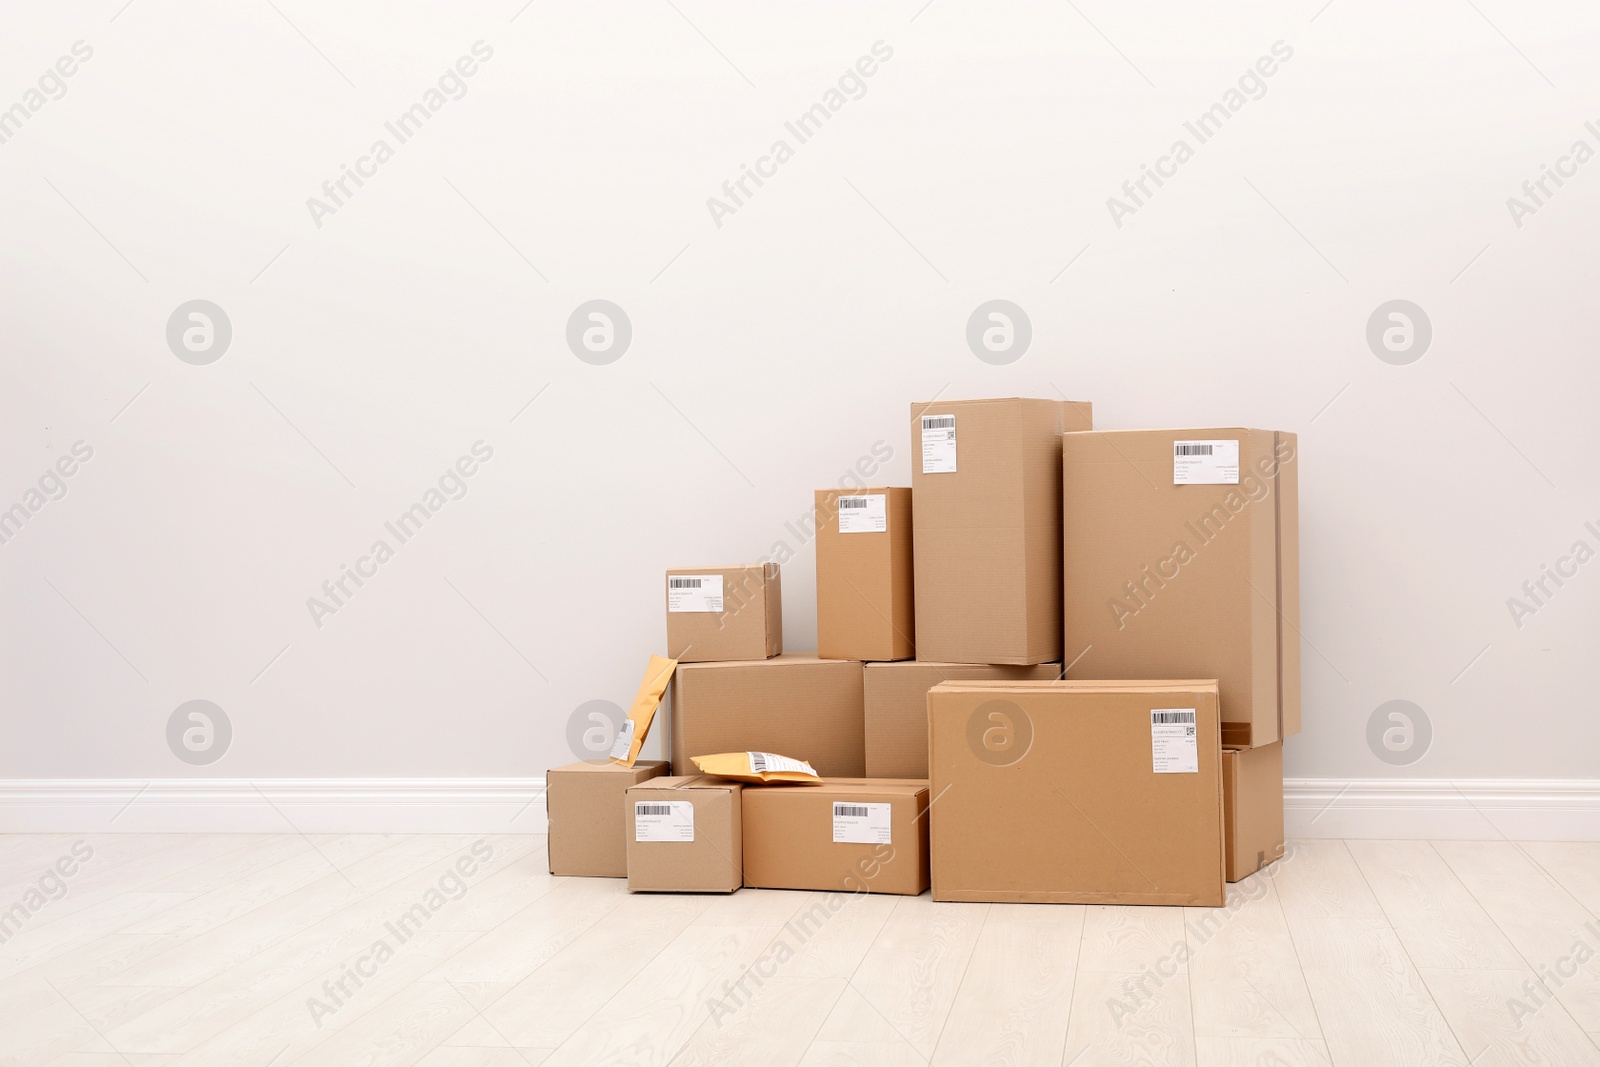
1481,809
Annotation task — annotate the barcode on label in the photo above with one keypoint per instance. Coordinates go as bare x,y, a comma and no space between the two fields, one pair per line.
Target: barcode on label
938,422
683,583
850,811
758,762
1185,718
652,809
852,502
1191,450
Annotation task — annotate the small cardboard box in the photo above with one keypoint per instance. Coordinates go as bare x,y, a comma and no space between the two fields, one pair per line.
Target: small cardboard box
896,696
864,574
684,835
716,613
986,475
848,835
584,805
1252,807
1181,561
1076,792
794,705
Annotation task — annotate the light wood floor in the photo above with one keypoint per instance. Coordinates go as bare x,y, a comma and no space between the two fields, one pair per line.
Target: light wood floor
209,949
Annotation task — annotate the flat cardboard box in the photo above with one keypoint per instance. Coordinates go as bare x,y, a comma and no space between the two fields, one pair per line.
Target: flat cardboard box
1187,580
988,527
794,705
1252,807
864,575
847,835
747,622
1049,792
896,697
696,847
585,809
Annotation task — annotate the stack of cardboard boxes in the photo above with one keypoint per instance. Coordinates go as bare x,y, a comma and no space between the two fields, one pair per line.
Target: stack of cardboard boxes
1160,566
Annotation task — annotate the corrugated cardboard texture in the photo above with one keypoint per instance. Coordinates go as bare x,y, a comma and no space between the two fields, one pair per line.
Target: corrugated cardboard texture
794,705
750,626
1252,805
788,838
585,806
1063,805
896,697
988,536
864,581
711,863
1186,580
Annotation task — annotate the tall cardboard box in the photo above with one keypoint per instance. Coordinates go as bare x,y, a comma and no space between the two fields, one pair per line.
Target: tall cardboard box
896,696
584,802
1252,807
845,835
718,613
986,475
684,835
1181,560
1076,792
795,705
864,574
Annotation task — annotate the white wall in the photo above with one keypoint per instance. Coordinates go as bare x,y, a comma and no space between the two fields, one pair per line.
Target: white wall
769,354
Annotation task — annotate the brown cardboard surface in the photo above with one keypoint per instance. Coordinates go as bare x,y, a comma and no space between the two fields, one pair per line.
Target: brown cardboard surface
864,605
1046,792
789,837
750,626
584,805
988,536
795,705
712,862
1252,807
1186,580
896,697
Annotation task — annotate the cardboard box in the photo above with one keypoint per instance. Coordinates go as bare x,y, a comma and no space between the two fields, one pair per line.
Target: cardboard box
848,835
896,697
585,808
1076,792
716,613
1252,808
986,475
684,835
1188,580
864,574
794,705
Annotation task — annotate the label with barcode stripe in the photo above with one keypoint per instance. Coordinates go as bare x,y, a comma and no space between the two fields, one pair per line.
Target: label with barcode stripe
867,513
938,444
697,592
762,762
1174,742
1205,463
860,824
663,820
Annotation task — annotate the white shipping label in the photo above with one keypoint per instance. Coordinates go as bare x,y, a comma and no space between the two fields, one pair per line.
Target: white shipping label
1174,747
694,592
762,762
624,743
861,824
864,514
663,820
1205,463
938,444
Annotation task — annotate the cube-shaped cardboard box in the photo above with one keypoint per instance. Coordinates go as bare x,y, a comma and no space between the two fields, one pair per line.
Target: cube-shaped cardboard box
684,835
716,613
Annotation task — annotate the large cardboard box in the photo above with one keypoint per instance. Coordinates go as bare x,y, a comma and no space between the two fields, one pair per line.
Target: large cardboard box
718,613
585,808
1182,561
1252,807
864,574
1076,792
896,696
846,835
795,705
986,475
684,835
